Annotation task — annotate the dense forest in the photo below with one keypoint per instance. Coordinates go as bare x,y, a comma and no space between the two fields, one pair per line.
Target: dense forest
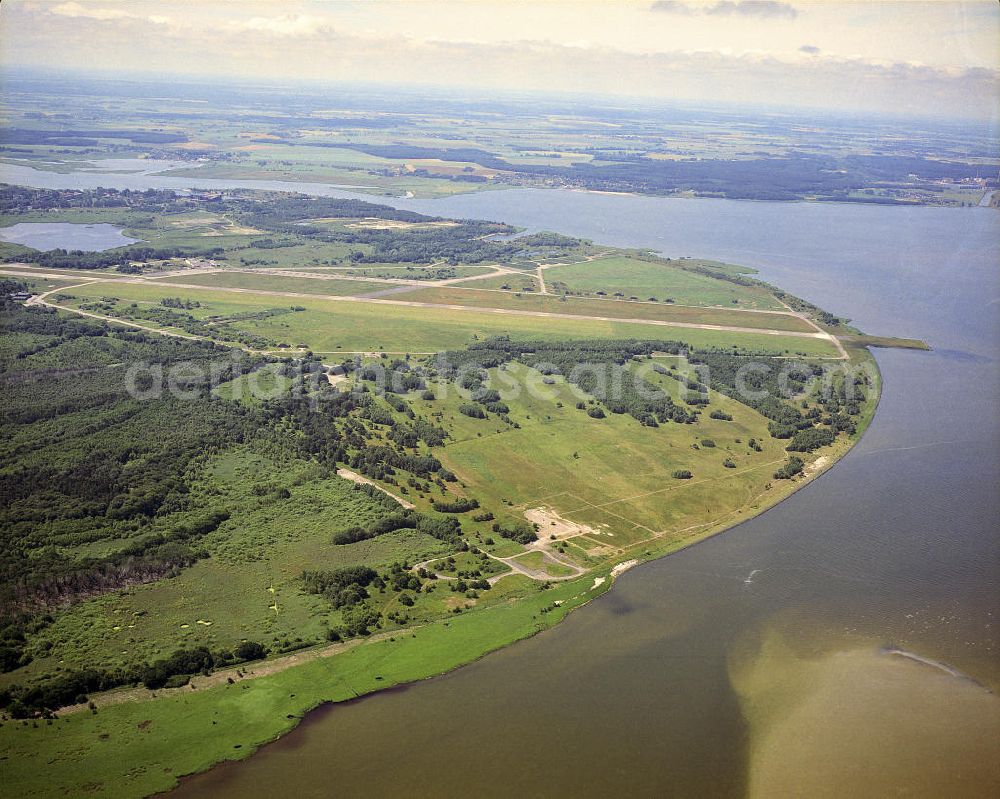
788,177
78,466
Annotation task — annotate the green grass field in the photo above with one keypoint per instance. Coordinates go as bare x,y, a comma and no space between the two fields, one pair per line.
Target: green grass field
649,279
621,309
536,561
329,326
249,588
139,748
612,474
265,383
520,281
298,285
408,272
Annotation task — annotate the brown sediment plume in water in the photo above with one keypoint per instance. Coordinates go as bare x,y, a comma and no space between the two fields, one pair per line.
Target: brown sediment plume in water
854,722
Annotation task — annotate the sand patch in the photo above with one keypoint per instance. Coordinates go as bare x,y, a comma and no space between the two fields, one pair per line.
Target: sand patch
817,465
552,525
623,567
394,224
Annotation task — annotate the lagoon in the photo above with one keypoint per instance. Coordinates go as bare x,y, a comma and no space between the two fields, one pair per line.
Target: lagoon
66,236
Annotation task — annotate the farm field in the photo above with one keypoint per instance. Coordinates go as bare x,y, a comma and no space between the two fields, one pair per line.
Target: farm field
319,171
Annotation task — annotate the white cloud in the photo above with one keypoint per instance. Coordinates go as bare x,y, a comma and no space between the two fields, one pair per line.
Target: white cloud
760,9
103,13
287,25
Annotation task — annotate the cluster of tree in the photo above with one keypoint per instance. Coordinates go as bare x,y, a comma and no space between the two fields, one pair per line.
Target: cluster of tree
786,177
73,687
88,137
764,385
342,587
793,466
812,438
177,302
397,376
548,239
597,367
118,257
457,505
447,529
521,532
21,199
472,410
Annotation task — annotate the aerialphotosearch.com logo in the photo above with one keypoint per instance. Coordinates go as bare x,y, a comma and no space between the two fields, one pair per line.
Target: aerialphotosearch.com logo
754,382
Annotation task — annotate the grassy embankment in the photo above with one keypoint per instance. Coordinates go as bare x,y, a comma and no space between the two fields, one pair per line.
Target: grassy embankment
139,748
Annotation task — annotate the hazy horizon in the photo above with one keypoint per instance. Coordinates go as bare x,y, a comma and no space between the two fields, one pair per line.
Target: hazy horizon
899,58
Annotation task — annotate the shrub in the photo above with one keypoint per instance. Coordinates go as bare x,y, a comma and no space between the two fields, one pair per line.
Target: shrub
810,439
792,467
521,533
682,474
458,505
472,410
249,650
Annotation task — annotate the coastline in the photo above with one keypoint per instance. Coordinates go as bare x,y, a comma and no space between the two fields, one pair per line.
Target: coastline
318,188
260,710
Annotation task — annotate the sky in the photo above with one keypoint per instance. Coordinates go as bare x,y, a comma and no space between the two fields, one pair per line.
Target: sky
927,58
